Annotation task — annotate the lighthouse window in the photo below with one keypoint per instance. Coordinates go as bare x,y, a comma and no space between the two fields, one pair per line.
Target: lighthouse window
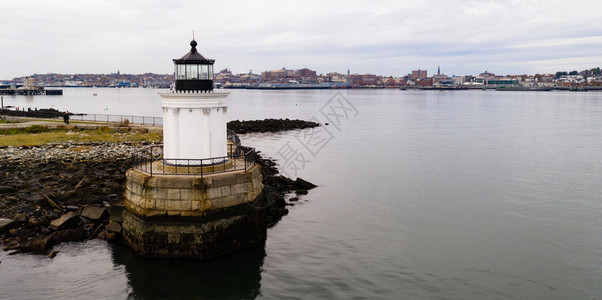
191,72
204,72
181,72
194,71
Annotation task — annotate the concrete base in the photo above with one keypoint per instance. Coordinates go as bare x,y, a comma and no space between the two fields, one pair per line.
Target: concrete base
192,217
214,235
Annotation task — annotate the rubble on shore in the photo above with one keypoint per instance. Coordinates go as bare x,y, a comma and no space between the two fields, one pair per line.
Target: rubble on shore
74,191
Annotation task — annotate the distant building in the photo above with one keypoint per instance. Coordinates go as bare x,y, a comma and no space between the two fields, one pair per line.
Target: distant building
424,81
419,74
460,80
306,73
486,74
441,77
277,74
496,80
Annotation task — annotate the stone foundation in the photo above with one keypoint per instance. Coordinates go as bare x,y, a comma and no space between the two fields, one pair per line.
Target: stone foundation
193,217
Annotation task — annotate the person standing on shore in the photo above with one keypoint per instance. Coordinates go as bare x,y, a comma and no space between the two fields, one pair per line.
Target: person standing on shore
66,118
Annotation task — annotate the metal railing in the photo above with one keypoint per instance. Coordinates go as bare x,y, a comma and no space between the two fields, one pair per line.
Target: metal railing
144,120
151,161
233,137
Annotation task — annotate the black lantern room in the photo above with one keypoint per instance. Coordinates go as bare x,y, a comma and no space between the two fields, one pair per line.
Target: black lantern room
194,72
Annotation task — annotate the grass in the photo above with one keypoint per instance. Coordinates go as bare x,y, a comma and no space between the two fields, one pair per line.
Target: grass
32,136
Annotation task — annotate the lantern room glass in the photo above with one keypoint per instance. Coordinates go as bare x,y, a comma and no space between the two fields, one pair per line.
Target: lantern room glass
194,71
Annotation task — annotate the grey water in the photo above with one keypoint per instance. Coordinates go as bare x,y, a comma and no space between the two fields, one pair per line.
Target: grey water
422,195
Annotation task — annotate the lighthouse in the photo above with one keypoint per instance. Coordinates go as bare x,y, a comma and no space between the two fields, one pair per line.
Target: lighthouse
199,199
194,114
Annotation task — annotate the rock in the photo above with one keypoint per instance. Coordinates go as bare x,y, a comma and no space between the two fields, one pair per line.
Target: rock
32,223
105,235
6,224
279,182
301,192
66,221
116,213
96,231
36,245
11,246
95,213
20,218
4,189
53,254
113,197
21,233
68,235
113,227
71,207
303,184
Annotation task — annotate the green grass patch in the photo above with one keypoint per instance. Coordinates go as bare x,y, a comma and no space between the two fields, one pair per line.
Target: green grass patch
24,130
33,138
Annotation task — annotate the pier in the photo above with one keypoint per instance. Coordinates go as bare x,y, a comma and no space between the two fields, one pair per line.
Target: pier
30,92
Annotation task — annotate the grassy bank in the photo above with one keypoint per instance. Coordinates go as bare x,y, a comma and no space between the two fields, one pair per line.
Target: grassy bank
38,135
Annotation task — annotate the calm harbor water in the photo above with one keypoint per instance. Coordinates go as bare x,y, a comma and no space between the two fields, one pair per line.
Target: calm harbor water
422,195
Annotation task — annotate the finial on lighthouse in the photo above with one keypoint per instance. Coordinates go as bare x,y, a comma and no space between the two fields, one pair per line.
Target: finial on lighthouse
193,45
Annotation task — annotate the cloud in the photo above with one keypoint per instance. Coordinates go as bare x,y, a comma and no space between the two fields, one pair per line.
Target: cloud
382,37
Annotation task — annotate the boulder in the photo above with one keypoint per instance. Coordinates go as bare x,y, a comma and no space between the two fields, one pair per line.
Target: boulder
68,235
105,235
301,192
66,221
36,245
113,227
95,213
6,224
21,218
20,233
303,184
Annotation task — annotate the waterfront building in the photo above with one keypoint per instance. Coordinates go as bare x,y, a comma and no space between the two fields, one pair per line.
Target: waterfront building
486,74
496,81
441,77
419,74
306,73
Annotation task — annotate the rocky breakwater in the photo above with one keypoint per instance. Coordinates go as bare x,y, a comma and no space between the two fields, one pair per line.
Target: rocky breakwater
74,191
269,125
62,192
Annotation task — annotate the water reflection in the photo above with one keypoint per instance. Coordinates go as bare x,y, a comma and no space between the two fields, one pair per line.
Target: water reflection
235,276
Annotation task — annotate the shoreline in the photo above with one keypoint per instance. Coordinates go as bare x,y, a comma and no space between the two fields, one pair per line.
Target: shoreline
73,191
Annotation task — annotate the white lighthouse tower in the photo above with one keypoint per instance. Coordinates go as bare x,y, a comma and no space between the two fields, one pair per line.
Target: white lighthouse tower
195,201
194,115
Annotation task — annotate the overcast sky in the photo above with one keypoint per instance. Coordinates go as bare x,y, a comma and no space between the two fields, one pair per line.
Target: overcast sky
378,37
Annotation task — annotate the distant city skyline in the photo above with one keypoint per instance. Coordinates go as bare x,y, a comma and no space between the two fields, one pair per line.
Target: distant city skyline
388,38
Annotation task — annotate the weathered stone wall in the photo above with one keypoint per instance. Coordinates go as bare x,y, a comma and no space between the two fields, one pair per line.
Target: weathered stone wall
216,234
193,217
189,196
